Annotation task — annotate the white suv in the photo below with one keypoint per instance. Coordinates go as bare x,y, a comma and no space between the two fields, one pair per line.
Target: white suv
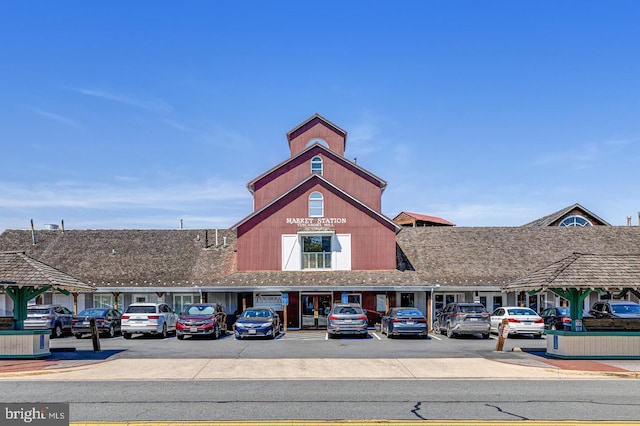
148,318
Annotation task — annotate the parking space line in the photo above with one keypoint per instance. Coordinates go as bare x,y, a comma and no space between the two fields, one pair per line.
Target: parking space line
435,337
376,336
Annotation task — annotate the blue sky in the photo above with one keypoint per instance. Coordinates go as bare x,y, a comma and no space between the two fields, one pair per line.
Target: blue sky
136,114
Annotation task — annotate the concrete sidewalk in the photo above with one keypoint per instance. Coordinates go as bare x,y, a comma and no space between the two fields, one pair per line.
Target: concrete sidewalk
494,366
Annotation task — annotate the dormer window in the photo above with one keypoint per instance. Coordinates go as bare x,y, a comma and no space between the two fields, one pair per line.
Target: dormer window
316,166
317,140
316,205
575,221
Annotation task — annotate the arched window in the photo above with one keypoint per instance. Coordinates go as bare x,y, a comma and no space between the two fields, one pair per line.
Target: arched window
316,165
575,221
316,205
317,140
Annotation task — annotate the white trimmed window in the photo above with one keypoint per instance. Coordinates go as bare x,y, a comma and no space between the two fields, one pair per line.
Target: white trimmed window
316,205
316,166
575,220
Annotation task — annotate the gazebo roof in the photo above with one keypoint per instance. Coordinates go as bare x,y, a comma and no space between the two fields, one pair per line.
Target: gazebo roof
583,271
19,270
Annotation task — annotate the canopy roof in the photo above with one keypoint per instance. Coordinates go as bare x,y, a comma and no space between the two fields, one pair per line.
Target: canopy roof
19,270
583,271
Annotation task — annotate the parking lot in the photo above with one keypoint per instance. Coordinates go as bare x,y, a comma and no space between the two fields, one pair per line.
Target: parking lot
299,344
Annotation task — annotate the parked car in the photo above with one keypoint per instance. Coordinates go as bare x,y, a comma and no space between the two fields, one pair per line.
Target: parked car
521,321
148,318
556,318
347,318
56,318
202,319
108,322
403,321
258,322
615,309
463,318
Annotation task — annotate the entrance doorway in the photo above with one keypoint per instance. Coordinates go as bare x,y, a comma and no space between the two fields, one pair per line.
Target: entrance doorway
315,309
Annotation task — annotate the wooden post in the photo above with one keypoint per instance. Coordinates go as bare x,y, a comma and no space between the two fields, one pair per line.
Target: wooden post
75,303
115,299
503,332
285,317
95,335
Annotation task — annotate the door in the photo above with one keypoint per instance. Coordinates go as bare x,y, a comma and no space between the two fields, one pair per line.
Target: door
315,309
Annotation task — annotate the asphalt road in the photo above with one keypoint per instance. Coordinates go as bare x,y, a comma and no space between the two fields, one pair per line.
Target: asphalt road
337,400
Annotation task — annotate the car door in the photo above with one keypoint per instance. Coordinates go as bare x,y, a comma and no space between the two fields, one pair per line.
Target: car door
65,316
169,317
496,319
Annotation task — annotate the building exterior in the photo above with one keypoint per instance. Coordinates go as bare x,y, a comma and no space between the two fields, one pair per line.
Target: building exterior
317,235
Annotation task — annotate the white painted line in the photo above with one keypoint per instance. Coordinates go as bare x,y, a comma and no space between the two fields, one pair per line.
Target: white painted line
326,336
376,336
435,337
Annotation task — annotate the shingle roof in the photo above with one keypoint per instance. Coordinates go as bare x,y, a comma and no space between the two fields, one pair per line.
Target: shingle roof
459,256
129,258
549,219
446,256
321,279
580,270
425,218
19,270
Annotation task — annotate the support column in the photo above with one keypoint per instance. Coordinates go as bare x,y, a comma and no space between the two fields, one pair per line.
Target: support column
20,296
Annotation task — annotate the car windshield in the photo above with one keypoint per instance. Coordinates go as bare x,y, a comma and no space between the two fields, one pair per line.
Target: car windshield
521,311
92,312
411,312
41,311
200,310
141,310
348,310
258,313
472,309
626,309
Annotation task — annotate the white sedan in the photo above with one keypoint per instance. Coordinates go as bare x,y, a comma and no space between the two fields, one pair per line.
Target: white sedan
521,321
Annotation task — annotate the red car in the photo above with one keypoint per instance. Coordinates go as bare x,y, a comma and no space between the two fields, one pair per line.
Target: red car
202,319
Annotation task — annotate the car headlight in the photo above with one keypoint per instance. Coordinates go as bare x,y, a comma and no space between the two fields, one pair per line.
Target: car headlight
240,325
267,324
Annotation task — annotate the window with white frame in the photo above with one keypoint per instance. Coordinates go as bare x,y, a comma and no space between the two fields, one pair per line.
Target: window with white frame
316,166
575,220
316,205
316,251
106,301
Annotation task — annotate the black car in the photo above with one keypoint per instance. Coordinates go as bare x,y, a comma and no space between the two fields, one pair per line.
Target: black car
557,318
615,309
108,322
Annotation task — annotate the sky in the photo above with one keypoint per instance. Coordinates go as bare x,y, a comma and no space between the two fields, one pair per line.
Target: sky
140,114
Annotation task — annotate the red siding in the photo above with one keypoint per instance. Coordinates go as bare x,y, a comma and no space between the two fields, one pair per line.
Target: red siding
319,130
360,187
373,244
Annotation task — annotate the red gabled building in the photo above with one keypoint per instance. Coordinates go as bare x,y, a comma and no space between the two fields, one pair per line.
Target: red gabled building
317,212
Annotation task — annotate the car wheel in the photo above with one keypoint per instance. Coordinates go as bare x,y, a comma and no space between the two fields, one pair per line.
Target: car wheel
78,336
436,327
180,336
57,331
449,331
553,327
112,331
216,332
165,333
126,335
389,334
